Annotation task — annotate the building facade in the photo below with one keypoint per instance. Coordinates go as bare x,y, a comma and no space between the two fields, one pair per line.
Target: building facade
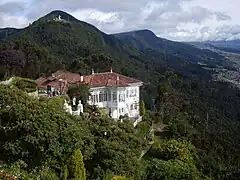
119,101
118,94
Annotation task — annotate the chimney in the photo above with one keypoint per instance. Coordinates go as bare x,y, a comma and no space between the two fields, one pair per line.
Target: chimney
117,78
111,70
81,78
92,71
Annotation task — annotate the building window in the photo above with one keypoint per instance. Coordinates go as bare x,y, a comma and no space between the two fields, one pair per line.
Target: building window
121,97
114,96
106,96
109,96
127,93
103,96
131,107
100,97
133,92
94,98
97,98
136,106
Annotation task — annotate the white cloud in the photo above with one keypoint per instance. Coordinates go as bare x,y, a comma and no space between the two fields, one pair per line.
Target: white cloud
108,20
13,21
173,19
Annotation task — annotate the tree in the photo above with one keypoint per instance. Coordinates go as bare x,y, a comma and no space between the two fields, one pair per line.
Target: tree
112,153
172,159
76,168
24,84
142,108
119,178
80,92
172,169
36,131
13,60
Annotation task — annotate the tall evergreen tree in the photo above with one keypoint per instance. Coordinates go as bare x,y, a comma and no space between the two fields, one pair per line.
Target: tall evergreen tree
142,108
76,169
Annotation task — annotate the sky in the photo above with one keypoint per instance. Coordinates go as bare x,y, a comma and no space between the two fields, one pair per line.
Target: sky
179,20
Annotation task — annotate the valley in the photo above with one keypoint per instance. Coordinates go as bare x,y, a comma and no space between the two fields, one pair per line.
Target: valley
229,73
225,75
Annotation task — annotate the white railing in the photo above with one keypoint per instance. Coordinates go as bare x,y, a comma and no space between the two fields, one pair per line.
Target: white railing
7,82
138,120
76,112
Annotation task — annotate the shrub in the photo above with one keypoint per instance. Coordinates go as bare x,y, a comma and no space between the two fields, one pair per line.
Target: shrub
119,178
36,131
26,85
76,168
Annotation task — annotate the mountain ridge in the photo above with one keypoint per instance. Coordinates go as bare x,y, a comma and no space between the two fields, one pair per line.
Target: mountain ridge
146,39
145,33
228,46
142,48
47,28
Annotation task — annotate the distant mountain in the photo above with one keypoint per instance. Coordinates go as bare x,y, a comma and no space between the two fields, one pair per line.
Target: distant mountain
6,32
145,39
58,40
227,46
142,39
234,44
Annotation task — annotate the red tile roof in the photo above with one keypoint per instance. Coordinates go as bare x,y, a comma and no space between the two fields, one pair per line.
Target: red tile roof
40,80
55,80
66,75
109,79
93,80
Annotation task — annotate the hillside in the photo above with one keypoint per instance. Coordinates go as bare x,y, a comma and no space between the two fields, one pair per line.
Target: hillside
83,47
172,78
216,46
228,44
145,39
80,39
6,32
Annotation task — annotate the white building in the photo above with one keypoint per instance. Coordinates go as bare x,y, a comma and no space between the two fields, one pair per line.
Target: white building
119,94
116,93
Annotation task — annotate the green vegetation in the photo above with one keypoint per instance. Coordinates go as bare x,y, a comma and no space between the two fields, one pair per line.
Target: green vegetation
77,170
142,108
24,84
146,39
43,136
119,178
80,92
196,121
